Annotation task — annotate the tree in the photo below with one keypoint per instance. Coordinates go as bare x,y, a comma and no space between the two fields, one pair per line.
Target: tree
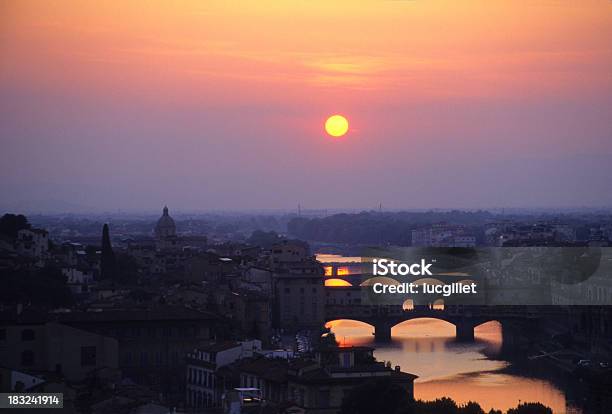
471,408
10,224
107,258
378,396
264,239
530,408
328,339
442,405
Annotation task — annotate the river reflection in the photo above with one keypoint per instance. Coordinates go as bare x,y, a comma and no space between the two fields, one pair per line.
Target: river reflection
462,371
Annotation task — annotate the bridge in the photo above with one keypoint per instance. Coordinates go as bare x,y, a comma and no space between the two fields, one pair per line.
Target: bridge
464,317
345,301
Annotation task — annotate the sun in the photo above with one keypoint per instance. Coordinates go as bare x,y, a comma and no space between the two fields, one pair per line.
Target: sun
336,125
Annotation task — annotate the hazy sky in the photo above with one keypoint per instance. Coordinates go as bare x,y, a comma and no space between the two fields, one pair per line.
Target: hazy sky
208,105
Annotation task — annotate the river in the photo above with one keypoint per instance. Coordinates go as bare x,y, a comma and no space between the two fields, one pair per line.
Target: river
462,371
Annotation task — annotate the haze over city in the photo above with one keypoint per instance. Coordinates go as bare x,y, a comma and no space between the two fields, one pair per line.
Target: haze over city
207,105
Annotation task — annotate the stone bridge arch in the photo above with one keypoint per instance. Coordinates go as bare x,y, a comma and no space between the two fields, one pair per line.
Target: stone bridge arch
365,322
331,321
464,326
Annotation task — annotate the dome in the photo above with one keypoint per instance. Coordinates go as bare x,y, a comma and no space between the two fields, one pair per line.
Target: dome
165,226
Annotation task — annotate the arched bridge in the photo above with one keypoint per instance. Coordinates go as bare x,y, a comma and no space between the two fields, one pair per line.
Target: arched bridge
464,317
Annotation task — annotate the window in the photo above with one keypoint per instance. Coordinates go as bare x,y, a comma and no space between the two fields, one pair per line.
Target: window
287,290
27,358
88,356
27,335
2,334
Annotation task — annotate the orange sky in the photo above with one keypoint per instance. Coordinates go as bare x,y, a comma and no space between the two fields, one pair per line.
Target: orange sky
398,69
318,50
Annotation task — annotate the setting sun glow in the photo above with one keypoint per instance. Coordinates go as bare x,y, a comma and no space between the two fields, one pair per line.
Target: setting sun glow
336,125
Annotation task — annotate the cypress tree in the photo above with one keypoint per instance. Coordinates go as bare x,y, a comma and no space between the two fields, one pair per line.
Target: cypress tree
107,258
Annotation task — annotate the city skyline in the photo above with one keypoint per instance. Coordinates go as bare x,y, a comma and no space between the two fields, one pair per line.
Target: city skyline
307,206
210,107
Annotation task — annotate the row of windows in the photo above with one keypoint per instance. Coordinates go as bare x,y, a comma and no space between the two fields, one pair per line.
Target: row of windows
201,377
199,399
88,357
26,335
599,294
251,381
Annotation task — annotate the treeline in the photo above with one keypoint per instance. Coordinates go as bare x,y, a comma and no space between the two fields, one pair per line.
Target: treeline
385,396
378,228
10,224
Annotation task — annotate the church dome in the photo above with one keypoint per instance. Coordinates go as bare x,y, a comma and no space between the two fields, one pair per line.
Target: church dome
165,226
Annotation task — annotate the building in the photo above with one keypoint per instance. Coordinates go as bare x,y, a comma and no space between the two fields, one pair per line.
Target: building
33,243
261,277
443,235
564,233
203,388
165,226
151,342
79,281
269,375
317,385
167,239
209,267
463,241
538,234
288,251
14,380
299,296
249,311
165,232
57,348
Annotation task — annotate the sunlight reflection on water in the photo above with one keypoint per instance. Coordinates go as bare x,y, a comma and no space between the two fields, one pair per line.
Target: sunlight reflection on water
462,371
